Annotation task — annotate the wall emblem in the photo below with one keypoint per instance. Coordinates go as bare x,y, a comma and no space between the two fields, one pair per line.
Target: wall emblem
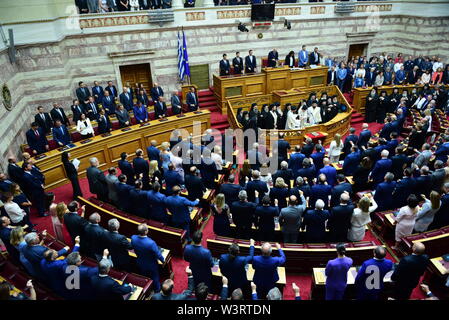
6,97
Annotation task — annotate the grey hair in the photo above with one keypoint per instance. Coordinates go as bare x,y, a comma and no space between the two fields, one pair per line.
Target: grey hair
446,185
284,165
274,294
384,153
319,204
243,195
103,266
93,161
113,224
31,238
73,258
300,181
94,217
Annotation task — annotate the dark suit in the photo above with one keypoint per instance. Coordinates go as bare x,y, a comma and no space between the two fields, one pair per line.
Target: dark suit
126,101
295,161
250,64
380,169
109,104
75,224
106,288
46,124
138,200
97,183
347,145
265,272
37,142
407,274
123,191
340,222
92,243
77,110
225,67
383,197
314,222
144,99
314,58
209,173
243,217
192,101
127,169
404,188
234,269
231,192
123,117
104,124
61,135
112,91
178,206
15,173
364,137
350,163
200,260
273,56
156,92
176,107
59,114
33,187
82,94
254,185
337,192
237,63
160,109
98,93
141,165
264,221
195,187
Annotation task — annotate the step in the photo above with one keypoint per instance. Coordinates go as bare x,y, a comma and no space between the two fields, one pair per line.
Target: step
208,104
205,93
207,99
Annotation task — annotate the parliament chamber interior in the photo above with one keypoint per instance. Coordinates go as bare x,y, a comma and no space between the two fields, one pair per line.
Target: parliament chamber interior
196,150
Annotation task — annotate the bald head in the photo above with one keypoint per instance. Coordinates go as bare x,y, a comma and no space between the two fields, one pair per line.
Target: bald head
380,252
167,287
418,248
365,126
344,197
266,249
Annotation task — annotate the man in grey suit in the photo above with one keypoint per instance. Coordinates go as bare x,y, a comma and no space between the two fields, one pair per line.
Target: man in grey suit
290,218
176,107
122,116
97,180
111,180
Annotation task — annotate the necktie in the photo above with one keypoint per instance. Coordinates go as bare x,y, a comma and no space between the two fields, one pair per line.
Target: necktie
127,97
109,99
158,91
37,133
93,108
60,113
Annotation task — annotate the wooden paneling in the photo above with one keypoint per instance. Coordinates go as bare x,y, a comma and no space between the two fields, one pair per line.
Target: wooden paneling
136,73
199,75
108,149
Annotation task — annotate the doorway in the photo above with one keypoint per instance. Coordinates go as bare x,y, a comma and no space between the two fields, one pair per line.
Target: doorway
359,49
199,76
136,73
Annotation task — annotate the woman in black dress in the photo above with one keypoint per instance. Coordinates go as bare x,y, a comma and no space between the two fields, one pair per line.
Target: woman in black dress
72,175
221,213
361,174
372,104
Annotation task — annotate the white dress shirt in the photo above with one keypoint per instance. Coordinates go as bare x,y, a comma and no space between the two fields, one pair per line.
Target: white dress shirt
14,212
83,129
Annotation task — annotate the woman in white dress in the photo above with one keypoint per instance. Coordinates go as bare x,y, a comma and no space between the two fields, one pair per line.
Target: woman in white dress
361,217
406,219
335,148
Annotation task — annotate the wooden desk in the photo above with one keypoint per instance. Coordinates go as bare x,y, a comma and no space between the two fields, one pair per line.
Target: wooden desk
108,149
270,79
134,295
318,286
440,266
14,291
390,218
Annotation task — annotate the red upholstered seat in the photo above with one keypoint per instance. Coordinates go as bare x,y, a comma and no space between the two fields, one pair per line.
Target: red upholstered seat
76,136
155,224
108,207
294,245
433,233
317,246
227,239
363,244
119,275
52,144
9,270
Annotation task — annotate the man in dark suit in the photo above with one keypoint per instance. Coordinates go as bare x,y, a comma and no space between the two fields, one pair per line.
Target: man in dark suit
285,173
123,193
383,193
57,113
138,200
34,187
200,260
408,272
160,108
329,171
264,219
43,119
225,66
126,168
273,58
97,180
148,255
232,266
144,4
82,93
153,152
108,103
179,207
352,137
105,287
97,92
176,106
364,136
156,92
142,97
237,63
194,184
243,215
36,139
92,109
414,75
230,190
192,100
339,189
370,76
250,63
74,222
314,57
404,188
104,123
308,147
141,166
77,110
332,76
281,147
15,172
118,245
381,167
340,218
61,135
296,158
351,161
265,269
126,99
123,117
111,89
172,178
256,185
92,244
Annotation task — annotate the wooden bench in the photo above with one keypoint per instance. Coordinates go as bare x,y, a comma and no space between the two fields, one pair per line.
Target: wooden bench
436,242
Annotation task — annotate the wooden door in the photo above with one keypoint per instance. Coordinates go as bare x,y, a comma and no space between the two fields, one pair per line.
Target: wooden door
199,76
359,49
136,73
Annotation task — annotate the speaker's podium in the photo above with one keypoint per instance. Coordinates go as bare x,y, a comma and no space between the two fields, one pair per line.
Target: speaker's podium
270,79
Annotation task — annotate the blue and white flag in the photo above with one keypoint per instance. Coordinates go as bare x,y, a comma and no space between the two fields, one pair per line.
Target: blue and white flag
181,70
185,56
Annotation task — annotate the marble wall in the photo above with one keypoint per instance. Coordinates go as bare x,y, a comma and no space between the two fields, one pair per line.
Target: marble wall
49,72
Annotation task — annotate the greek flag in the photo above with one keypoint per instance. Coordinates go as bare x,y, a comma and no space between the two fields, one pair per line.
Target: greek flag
181,70
185,55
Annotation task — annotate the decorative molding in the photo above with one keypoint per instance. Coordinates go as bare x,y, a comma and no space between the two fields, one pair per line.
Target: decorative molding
318,10
233,14
195,16
373,7
296,11
113,21
129,53
6,97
